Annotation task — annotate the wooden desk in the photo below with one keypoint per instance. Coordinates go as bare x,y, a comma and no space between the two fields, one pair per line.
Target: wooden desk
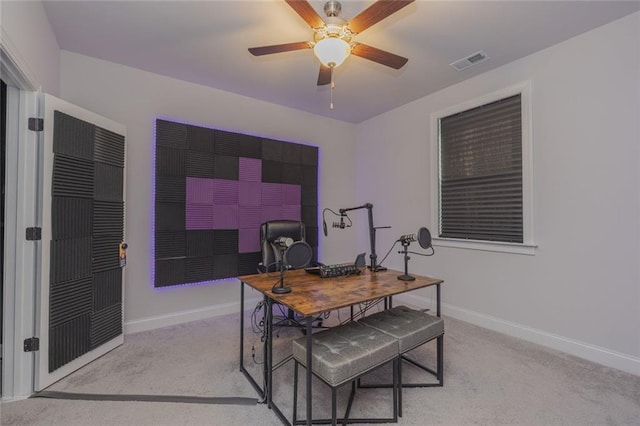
311,295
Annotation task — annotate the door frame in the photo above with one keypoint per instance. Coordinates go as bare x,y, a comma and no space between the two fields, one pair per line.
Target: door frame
20,197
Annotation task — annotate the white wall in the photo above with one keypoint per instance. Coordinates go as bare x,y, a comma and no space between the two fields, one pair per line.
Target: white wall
135,98
28,38
580,292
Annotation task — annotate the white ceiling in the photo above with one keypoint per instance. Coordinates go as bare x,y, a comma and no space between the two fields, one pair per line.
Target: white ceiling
206,42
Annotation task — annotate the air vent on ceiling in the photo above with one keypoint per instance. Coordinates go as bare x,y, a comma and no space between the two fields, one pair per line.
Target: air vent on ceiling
470,60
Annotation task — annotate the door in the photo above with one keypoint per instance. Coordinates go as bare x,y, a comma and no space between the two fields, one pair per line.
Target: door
80,304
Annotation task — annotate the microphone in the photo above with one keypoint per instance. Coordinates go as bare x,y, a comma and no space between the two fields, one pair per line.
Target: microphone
423,237
283,242
340,224
324,227
407,238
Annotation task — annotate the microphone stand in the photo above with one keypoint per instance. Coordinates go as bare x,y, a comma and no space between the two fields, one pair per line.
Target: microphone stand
372,235
281,289
405,251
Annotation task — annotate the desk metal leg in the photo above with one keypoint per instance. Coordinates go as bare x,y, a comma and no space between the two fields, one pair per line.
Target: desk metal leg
309,367
261,390
268,364
268,350
438,300
241,326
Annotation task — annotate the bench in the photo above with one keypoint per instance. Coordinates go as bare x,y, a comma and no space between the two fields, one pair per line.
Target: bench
411,328
343,354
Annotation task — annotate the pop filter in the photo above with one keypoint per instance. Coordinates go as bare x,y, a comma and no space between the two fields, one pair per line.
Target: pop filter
424,238
298,255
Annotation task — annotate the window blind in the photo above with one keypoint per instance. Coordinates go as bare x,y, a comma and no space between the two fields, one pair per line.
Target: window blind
481,173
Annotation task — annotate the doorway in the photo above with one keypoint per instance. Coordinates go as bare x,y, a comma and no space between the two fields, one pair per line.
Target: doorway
19,155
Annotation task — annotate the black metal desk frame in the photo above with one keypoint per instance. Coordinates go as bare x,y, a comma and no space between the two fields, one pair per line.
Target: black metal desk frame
265,391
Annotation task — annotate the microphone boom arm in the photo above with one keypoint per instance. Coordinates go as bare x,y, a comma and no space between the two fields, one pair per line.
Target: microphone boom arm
364,206
372,234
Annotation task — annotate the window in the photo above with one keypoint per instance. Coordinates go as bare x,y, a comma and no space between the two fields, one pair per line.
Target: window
483,174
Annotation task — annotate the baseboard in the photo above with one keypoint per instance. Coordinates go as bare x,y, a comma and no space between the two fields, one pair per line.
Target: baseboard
597,354
8,399
175,318
603,356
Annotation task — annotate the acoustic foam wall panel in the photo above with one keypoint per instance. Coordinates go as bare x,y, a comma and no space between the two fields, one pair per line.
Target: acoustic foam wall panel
213,189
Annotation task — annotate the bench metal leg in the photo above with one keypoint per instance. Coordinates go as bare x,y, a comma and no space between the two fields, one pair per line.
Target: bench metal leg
438,373
334,420
334,409
396,390
295,392
399,368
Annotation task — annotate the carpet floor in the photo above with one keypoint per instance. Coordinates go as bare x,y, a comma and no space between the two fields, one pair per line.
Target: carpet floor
490,379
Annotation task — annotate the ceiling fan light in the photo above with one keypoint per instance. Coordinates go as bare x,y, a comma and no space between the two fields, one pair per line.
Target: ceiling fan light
332,51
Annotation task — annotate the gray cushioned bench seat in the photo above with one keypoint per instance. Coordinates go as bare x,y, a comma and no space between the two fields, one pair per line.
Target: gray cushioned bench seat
411,327
342,353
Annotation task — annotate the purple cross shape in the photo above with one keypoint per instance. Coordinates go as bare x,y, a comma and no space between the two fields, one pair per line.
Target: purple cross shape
242,204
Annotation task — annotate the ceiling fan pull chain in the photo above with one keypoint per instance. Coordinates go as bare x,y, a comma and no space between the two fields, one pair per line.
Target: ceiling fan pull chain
333,85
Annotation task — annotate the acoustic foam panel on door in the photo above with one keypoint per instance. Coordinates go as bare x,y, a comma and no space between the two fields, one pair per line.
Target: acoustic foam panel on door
108,148
107,289
87,218
70,259
72,177
72,218
69,299
108,182
108,218
73,137
69,340
102,324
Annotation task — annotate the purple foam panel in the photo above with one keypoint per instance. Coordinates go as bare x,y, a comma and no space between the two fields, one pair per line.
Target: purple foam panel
250,193
225,217
291,212
271,213
250,217
271,194
199,216
242,205
226,192
249,240
199,191
250,169
291,194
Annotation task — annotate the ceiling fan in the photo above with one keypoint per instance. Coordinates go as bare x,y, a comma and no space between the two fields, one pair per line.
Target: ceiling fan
332,40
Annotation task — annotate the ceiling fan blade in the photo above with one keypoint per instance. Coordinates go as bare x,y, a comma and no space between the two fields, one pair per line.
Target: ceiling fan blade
306,12
324,76
278,48
376,13
380,56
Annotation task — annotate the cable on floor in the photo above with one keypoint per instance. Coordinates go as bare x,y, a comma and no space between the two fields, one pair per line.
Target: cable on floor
146,398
